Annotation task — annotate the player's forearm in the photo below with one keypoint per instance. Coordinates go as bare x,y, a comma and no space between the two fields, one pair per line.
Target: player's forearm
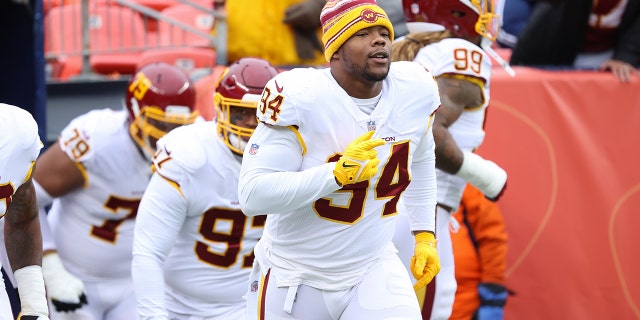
44,200
24,243
271,180
420,203
23,239
264,192
148,281
448,155
420,196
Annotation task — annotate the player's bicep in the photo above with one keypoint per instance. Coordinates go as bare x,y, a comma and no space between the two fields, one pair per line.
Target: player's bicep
57,173
23,204
274,148
456,95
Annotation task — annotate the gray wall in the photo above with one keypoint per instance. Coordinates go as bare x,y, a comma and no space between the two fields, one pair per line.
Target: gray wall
68,100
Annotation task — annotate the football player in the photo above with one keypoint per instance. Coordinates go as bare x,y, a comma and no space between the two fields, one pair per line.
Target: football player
451,38
193,247
334,150
19,149
94,177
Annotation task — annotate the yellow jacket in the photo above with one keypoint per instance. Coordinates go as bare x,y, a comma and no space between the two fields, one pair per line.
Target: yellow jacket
255,29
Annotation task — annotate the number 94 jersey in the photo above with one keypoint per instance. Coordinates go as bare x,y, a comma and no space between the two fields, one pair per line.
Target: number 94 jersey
350,228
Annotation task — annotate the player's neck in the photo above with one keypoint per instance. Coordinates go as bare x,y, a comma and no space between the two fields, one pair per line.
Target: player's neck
357,87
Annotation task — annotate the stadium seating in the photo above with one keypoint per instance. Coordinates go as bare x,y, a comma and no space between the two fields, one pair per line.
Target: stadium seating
187,58
171,35
117,37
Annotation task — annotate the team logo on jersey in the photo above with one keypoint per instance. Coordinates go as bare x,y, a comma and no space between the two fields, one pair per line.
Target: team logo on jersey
279,88
254,286
371,125
254,149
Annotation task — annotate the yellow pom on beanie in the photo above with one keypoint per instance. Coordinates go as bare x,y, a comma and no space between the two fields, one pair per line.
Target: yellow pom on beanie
341,19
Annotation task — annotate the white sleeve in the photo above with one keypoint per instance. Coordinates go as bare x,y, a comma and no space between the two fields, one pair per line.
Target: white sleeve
420,196
44,200
161,214
270,180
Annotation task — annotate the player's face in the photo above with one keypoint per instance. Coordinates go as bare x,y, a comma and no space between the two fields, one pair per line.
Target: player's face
243,117
367,54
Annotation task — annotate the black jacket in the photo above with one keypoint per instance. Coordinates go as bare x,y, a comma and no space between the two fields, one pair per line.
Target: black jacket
555,31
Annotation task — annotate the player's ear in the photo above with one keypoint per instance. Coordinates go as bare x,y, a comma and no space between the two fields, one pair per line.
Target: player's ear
336,55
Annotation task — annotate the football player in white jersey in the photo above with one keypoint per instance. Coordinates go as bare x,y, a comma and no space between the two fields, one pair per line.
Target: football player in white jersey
19,149
94,177
334,150
453,45
193,247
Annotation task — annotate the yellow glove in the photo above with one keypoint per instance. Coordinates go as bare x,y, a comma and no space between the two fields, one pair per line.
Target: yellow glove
425,263
359,161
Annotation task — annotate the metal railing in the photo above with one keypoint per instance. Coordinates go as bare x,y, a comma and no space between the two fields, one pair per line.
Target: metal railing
64,45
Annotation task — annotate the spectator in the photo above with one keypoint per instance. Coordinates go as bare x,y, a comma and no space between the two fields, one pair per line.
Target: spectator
514,18
333,152
598,35
285,33
94,177
192,246
480,253
448,38
19,148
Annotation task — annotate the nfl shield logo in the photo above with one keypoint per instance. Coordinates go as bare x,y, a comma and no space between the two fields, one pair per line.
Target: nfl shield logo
254,149
254,286
371,125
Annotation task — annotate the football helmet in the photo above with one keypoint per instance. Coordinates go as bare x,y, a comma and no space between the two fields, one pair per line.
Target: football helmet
465,18
159,98
237,93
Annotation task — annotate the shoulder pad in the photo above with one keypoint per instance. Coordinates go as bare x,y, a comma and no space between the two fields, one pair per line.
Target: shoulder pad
184,146
87,132
287,92
18,127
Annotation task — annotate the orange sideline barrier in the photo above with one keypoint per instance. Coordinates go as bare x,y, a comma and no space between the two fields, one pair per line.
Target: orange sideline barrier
569,141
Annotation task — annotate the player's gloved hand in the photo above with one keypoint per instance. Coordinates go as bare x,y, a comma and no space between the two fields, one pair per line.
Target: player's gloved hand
65,290
32,317
425,263
493,297
304,15
484,175
359,162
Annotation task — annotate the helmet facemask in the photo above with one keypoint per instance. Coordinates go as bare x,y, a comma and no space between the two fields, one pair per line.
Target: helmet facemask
236,99
488,23
152,123
229,113
159,98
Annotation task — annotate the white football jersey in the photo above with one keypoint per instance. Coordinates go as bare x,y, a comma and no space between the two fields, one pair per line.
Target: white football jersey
211,257
459,57
93,226
330,243
19,148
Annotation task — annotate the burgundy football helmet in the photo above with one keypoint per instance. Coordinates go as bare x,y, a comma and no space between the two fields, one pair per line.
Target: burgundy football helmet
159,97
465,18
240,86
